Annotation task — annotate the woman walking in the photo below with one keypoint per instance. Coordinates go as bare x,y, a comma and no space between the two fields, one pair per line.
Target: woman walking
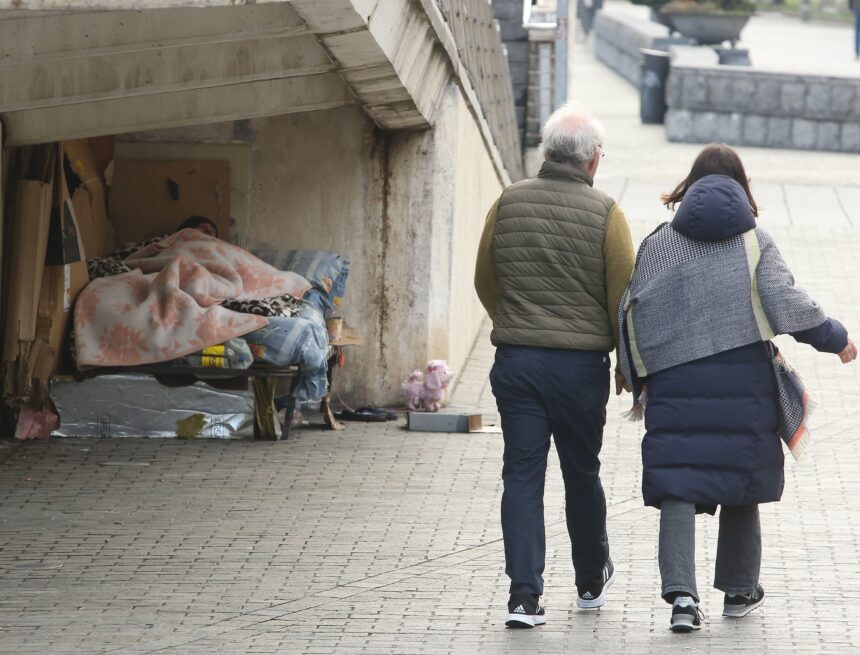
709,291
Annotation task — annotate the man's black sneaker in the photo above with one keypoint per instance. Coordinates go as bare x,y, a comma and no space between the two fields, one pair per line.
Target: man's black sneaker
594,594
738,606
686,615
525,611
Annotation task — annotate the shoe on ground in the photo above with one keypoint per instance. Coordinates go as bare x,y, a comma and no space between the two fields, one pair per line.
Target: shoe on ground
686,615
738,606
594,594
525,611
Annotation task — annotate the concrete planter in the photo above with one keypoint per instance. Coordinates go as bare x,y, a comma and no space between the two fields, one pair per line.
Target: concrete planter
709,29
663,19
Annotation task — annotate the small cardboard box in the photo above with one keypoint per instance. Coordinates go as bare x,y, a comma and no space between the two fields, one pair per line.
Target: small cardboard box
443,422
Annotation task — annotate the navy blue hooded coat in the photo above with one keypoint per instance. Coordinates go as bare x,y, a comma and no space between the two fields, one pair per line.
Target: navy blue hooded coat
711,423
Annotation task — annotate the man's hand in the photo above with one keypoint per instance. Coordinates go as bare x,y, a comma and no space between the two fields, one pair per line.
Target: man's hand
849,353
623,385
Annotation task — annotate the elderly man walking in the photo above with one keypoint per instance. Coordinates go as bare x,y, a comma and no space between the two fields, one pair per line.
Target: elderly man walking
553,262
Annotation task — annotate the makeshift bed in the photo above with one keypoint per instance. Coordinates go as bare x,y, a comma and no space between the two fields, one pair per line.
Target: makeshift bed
155,307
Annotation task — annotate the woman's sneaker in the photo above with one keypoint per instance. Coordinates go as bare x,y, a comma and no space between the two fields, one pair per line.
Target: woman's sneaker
686,615
525,611
594,594
738,606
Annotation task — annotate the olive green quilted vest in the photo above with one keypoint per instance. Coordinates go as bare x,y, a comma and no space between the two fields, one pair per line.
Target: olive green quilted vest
548,255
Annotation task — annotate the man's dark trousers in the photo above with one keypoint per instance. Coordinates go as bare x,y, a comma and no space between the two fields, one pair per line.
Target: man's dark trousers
563,393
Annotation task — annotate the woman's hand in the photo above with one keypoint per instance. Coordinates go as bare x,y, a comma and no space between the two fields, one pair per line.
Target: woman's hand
621,384
849,353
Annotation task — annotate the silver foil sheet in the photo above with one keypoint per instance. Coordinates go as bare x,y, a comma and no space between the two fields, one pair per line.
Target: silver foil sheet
136,405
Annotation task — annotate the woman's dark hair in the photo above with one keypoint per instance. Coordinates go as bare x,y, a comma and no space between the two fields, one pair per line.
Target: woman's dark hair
715,159
195,222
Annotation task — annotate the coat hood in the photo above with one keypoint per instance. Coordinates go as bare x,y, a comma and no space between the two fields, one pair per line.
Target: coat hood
714,208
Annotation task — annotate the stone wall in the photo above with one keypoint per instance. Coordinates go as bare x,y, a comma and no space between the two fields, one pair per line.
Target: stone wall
744,106
618,37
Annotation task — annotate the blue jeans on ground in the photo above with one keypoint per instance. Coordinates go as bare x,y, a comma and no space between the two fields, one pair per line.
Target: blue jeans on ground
563,393
738,549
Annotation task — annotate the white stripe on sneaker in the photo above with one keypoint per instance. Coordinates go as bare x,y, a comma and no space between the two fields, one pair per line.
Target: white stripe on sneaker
585,602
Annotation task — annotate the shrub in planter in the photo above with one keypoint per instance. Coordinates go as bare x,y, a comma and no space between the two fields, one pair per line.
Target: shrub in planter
655,6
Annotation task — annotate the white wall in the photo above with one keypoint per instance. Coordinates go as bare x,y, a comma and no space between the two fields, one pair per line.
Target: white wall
317,184
476,189
406,208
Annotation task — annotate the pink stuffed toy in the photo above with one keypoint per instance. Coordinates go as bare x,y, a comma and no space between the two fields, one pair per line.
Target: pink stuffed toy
412,390
436,380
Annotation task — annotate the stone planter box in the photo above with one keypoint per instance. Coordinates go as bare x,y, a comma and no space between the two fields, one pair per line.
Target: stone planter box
740,105
709,29
619,37
661,18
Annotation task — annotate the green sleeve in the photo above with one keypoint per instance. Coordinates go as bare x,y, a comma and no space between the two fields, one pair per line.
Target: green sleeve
620,257
486,283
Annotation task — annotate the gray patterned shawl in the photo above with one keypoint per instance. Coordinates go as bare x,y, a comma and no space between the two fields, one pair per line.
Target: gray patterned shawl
691,299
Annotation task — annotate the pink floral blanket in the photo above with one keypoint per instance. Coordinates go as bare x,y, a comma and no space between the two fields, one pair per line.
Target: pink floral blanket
168,307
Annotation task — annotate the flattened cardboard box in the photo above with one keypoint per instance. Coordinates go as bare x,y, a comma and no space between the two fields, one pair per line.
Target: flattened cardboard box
64,277
30,221
89,196
30,226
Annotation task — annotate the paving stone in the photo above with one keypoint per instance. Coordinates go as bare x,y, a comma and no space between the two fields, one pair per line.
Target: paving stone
829,136
819,100
842,100
674,84
779,132
721,93
766,99
792,98
804,133
743,93
695,94
851,137
754,130
679,125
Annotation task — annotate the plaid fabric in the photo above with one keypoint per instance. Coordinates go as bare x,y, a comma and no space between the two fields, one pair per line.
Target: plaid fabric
795,405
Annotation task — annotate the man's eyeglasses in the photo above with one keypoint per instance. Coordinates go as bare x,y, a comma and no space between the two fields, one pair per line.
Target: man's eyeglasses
602,151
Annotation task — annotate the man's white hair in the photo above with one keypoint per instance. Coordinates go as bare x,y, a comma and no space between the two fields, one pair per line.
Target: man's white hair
571,135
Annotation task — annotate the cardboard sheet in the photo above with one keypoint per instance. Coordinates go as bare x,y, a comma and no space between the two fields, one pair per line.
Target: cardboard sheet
151,198
65,275
89,196
31,219
48,270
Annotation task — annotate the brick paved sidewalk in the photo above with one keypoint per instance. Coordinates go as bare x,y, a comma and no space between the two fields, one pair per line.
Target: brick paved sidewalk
377,540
